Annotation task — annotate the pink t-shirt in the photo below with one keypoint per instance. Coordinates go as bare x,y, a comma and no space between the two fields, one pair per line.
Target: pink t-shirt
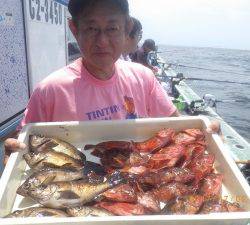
72,94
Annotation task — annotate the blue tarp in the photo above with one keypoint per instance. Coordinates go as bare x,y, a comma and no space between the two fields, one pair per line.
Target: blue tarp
64,2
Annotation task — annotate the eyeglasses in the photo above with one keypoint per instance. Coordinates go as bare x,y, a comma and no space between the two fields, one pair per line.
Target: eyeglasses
112,31
140,36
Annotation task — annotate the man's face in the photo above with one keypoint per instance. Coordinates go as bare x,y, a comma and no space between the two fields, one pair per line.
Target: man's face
132,42
101,35
147,49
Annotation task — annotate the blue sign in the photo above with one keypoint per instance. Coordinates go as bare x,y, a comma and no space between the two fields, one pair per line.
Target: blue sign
63,2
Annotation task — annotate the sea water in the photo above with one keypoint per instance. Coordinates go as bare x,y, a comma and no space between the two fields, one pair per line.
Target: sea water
230,84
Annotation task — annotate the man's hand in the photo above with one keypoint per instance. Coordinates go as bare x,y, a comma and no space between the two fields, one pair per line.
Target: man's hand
12,145
155,69
214,127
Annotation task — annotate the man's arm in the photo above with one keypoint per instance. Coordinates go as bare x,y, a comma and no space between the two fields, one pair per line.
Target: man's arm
176,114
11,144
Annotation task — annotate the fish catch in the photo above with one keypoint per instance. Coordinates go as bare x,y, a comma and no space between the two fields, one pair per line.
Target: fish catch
86,211
71,194
47,175
134,178
37,212
39,143
50,158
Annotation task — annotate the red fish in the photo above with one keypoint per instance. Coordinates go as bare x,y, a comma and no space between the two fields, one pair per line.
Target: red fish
191,151
189,136
166,157
218,205
149,201
161,139
170,191
122,209
201,166
182,175
211,185
122,193
197,133
189,204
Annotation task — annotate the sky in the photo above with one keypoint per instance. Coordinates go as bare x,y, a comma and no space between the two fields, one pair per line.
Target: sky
201,23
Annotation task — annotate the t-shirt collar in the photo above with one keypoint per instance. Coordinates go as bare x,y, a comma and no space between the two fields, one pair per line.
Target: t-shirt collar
85,74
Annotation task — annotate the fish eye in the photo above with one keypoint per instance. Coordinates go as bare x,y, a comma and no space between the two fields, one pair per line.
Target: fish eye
17,212
27,185
42,187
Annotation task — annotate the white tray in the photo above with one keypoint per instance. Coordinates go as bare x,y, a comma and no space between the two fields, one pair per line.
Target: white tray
81,133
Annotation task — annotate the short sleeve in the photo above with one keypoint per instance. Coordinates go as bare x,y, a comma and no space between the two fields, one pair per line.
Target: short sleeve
35,110
159,104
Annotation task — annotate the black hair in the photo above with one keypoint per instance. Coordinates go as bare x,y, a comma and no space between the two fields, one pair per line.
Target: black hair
136,27
149,43
77,7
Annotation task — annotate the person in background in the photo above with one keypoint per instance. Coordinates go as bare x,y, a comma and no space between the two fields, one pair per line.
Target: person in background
133,39
141,55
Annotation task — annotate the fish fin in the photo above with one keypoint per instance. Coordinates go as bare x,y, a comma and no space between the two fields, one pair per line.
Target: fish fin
43,148
68,166
28,173
99,198
50,165
68,195
49,180
82,156
94,167
88,147
45,213
50,144
97,153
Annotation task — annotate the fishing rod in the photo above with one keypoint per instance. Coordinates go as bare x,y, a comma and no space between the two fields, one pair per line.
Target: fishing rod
212,70
200,105
202,68
210,100
168,65
213,80
205,79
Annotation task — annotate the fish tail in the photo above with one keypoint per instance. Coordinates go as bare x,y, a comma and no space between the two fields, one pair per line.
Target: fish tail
82,156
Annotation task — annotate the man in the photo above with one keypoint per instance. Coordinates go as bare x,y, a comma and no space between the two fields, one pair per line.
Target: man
133,39
97,86
141,55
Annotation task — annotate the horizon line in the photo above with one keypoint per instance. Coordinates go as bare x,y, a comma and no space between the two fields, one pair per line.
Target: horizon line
215,47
